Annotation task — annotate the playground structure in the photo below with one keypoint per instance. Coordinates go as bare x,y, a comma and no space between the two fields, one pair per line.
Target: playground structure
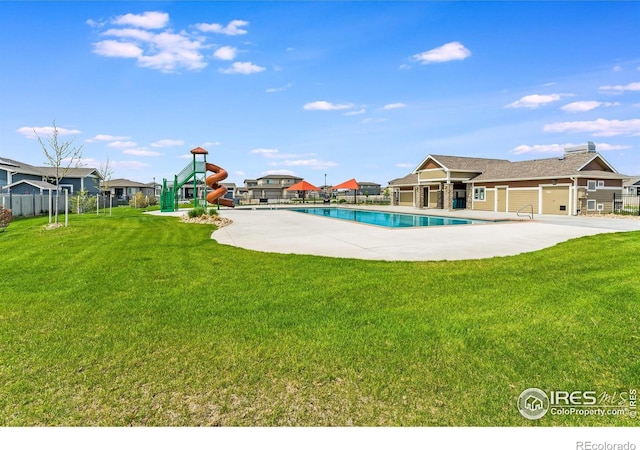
192,172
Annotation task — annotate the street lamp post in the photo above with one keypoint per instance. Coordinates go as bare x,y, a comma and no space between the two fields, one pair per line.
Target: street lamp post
325,185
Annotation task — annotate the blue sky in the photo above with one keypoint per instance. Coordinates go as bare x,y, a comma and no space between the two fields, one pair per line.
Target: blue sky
347,89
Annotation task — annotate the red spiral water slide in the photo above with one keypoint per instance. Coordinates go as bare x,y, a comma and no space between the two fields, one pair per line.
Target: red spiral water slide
218,192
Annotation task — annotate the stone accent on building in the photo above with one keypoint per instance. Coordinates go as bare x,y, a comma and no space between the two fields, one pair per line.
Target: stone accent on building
447,196
418,196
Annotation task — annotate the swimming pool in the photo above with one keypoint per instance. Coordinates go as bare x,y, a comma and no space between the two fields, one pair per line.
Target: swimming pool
386,219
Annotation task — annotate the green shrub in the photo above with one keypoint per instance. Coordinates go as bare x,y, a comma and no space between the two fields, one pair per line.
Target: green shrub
213,212
197,212
82,202
140,200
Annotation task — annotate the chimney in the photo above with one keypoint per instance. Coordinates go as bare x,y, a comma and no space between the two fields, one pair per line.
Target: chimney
589,147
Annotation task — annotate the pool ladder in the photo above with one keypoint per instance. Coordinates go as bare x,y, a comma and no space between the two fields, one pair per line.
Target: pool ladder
522,213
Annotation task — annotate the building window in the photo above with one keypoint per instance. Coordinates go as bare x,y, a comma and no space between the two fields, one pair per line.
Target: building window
591,185
478,193
600,183
591,205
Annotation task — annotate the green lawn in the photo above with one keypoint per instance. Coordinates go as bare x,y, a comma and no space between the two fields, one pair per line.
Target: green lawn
143,320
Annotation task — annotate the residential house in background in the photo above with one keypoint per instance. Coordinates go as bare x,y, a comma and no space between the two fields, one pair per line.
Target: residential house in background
578,182
268,187
631,186
369,188
123,189
20,178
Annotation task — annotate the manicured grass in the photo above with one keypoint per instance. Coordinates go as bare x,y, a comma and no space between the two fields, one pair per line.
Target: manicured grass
143,320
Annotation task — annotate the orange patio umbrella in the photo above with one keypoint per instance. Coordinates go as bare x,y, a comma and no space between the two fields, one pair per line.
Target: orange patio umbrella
351,184
304,187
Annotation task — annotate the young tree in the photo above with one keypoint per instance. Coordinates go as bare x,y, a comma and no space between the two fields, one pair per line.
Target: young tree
62,156
105,172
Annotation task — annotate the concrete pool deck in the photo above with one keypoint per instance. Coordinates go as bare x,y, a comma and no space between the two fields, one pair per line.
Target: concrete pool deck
275,229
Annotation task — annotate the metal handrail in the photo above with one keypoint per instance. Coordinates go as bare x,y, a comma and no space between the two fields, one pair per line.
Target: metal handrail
530,214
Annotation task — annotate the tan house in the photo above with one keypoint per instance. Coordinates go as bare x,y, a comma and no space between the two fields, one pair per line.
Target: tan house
581,181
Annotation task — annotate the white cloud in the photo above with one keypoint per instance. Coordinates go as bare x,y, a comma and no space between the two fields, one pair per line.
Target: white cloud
117,49
94,23
244,68
239,173
602,147
210,144
233,28
167,143
405,165
163,51
266,152
149,19
394,106
128,164
559,148
619,88
448,52
122,144
279,89
617,69
585,106
598,127
313,163
326,106
534,101
356,112
226,53
166,51
130,33
28,132
106,138
141,152
542,148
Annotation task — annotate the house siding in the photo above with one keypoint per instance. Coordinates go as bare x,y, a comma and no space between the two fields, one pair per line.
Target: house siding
604,197
432,175
406,198
489,201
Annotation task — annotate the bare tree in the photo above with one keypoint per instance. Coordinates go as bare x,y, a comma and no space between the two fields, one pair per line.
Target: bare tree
105,172
61,156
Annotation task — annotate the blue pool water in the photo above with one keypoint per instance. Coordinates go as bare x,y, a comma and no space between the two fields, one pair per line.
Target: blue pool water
385,219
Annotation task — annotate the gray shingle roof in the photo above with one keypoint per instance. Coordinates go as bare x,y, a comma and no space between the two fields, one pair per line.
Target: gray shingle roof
466,164
123,182
36,183
28,169
407,180
566,166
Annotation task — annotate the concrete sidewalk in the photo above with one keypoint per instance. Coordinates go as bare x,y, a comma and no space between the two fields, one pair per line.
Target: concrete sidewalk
282,231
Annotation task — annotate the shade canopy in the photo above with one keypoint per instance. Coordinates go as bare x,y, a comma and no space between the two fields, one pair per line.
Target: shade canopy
349,184
303,186
199,151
